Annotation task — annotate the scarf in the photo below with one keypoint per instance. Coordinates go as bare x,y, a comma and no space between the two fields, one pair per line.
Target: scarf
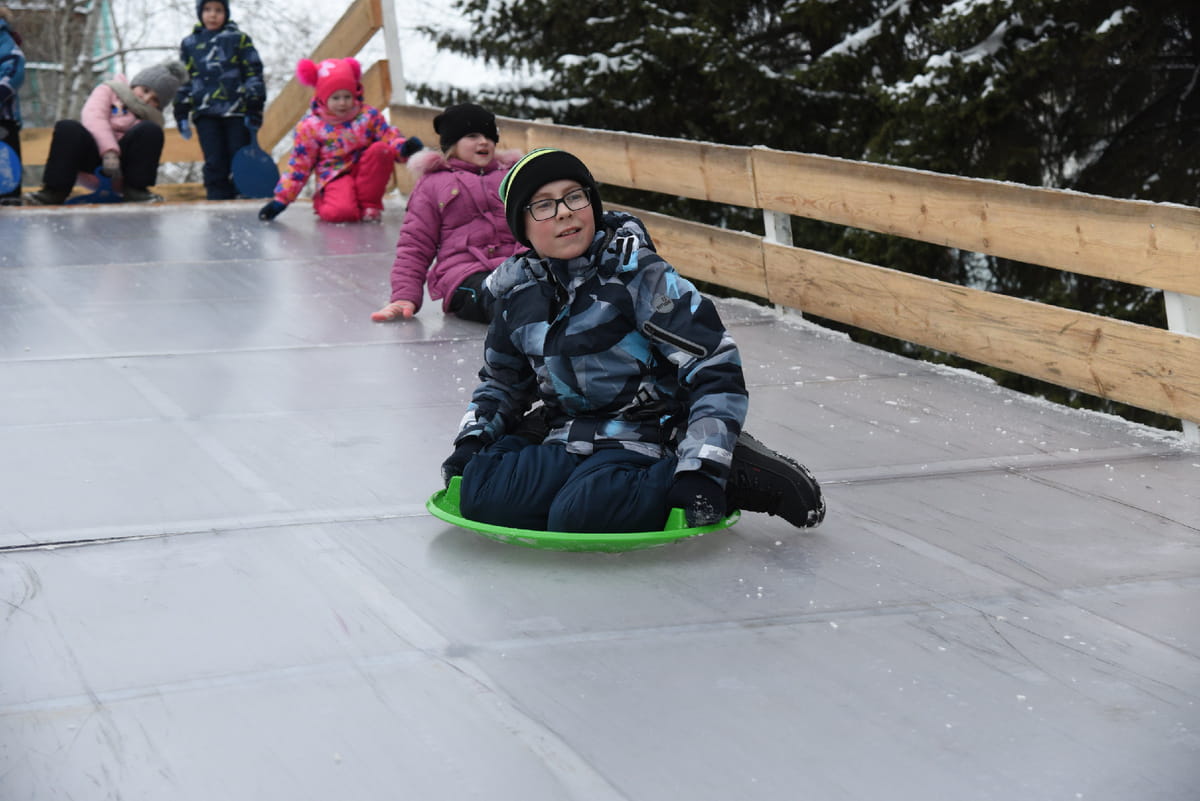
139,109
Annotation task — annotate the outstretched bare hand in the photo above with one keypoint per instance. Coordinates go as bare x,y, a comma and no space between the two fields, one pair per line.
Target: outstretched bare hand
398,310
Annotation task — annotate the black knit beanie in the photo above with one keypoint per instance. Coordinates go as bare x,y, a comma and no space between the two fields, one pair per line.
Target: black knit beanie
536,169
467,118
200,7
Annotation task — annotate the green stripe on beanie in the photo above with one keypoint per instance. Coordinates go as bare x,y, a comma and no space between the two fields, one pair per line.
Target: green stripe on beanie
533,171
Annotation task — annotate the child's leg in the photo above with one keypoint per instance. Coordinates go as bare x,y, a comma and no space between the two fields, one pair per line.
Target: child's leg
513,483
141,148
614,490
337,201
372,173
220,138
72,151
469,302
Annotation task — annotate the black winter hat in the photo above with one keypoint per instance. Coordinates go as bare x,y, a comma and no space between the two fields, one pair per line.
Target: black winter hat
466,118
200,7
533,171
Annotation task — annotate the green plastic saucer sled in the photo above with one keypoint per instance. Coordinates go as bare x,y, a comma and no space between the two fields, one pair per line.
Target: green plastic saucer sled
443,504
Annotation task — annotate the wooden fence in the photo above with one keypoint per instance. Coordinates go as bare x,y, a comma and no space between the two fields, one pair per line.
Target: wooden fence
1148,244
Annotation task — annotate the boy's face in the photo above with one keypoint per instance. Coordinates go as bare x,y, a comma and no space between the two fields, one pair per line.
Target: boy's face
569,232
147,96
341,104
212,15
474,149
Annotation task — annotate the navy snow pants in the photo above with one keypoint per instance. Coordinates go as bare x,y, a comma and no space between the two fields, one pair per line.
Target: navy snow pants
544,488
220,139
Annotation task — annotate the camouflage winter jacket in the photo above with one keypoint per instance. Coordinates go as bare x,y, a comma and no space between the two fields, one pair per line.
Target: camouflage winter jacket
226,74
623,351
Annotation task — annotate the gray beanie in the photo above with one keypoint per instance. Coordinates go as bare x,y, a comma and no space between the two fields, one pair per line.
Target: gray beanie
164,79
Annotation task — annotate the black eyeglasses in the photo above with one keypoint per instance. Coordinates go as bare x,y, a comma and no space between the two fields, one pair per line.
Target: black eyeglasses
546,208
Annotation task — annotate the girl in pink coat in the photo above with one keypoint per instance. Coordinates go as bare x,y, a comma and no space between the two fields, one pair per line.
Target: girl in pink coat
455,219
119,133
345,143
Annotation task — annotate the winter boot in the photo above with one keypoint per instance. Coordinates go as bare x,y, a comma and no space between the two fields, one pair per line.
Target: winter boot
133,194
761,480
46,197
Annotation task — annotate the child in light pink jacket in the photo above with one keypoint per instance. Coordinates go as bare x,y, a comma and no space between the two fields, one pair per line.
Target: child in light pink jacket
119,132
454,232
345,143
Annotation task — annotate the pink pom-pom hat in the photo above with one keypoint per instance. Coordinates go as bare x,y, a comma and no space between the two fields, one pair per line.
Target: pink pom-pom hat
330,75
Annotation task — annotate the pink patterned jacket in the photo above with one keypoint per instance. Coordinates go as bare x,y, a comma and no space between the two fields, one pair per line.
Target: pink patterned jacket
330,149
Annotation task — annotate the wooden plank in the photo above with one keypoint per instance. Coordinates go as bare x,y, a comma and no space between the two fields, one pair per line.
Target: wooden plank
700,170
1146,367
1151,244
731,259
355,28
176,148
35,146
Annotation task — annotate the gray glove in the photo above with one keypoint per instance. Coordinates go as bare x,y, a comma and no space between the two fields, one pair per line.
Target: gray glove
111,164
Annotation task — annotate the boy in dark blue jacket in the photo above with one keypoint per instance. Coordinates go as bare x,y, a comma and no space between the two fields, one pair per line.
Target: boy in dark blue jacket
226,93
642,386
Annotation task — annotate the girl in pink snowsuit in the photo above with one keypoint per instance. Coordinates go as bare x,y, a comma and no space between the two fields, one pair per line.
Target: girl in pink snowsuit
455,219
346,143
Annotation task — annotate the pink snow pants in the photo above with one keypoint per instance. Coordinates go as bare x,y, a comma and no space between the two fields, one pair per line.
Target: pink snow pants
344,198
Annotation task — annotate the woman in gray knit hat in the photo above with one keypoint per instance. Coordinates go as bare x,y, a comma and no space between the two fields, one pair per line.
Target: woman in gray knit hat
119,132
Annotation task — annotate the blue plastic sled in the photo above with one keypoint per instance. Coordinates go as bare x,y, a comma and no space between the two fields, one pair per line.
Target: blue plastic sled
444,505
10,169
254,172
104,192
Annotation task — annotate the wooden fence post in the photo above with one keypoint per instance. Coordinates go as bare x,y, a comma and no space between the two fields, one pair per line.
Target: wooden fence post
1183,316
391,48
777,227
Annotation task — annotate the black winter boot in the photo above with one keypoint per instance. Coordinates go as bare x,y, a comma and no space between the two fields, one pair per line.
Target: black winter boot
761,480
46,197
133,194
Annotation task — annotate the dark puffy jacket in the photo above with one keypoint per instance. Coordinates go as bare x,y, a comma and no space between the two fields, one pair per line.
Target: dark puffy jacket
226,74
623,351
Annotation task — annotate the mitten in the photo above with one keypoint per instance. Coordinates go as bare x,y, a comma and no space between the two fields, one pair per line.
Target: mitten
411,145
185,128
701,498
182,111
254,119
271,210
6,92
457,461
110,164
